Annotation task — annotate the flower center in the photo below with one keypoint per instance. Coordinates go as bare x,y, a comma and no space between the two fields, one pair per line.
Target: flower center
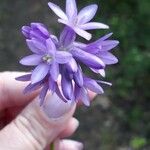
47,58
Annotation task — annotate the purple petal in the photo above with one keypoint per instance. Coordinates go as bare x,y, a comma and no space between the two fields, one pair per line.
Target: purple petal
87,13
39,45
51,48
31,60
88,59
26,31
63,57
105,37
52,85
108,58
78,77
72,65
108,45
64,22
32,47
104,82
43,93
57,10
39,27
84,96
67,37
26,77
93,85
83,33
54,71
100,71
39,73
93,25
67,87
71,9
32,87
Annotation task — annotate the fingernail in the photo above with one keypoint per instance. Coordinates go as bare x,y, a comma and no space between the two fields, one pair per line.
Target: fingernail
56,108
78,145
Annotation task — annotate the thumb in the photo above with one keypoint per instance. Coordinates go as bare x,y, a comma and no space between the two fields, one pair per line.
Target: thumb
36,126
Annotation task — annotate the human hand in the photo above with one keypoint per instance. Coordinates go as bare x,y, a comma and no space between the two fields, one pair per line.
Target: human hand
27,126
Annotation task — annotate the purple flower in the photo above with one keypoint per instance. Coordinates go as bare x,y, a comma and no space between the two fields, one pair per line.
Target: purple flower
46,58
101,48
79,22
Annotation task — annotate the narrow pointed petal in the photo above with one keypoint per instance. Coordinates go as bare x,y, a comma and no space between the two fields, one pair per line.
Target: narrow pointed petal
72,65
87,13
84,97
52,85
108,58
67,87
93,85
51,48
67,37
58,11
39,73
31,60
32,47
83,33
63,22
71,8
39,45
43,93
105,37
104,82
100,71
63,57
54,71
108,45
94,25
26,77
32,87
26,31
88,59
78,78
41,29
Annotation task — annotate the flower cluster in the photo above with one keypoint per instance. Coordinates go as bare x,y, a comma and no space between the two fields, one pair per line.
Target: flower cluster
61,58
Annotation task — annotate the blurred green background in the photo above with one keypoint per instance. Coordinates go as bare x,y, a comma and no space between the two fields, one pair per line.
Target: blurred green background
120,119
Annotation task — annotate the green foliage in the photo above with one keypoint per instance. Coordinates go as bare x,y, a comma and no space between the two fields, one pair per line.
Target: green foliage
138,143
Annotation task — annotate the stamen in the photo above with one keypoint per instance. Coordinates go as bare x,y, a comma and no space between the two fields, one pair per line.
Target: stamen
47,58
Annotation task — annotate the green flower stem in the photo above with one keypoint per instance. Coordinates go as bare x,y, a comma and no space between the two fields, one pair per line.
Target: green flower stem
52,146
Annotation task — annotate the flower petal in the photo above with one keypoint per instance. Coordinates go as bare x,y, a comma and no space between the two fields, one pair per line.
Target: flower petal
78,77
83,33
87,13
32,87
84,96
67,37
88,59
26,31
100,71
93,25
108,58
31,60
51,48
32,47
71,9
93,85
52,85
39,73
26,77
57,10
54,71
43,93
67,87
63,57
72,65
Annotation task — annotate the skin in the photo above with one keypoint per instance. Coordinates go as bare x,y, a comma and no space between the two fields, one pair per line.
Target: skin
24,125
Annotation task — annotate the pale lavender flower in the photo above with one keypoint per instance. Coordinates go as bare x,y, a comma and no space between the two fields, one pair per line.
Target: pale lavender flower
79,22
101,48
